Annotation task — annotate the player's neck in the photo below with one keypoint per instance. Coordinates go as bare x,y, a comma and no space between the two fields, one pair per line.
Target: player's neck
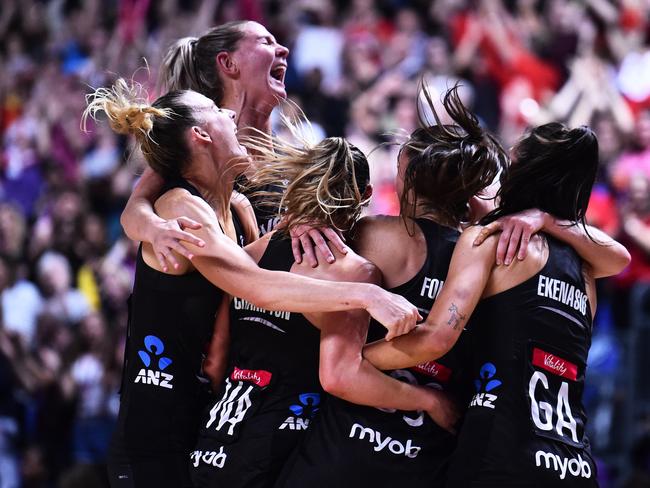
249,113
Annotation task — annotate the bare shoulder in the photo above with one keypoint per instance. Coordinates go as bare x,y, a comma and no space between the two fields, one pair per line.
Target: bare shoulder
377,227
504,277
470,233
179,202
242,204
380,238
357,268
347,267
466,240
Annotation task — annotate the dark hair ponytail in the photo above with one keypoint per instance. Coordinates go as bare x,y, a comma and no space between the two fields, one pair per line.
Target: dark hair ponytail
553,169
190,63
448,164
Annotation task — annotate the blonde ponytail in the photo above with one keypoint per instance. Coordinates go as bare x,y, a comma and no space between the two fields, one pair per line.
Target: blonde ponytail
325,182
159,127
126,107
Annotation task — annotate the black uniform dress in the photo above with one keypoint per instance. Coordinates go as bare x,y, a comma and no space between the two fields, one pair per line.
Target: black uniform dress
170,321
270,394
357,446
525,426
266,215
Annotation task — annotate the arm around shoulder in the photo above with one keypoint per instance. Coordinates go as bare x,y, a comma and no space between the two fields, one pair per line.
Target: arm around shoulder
138,215
605,255
230,268
469,272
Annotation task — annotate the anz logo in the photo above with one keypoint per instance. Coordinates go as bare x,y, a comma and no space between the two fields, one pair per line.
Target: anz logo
155,363
302,412
484,385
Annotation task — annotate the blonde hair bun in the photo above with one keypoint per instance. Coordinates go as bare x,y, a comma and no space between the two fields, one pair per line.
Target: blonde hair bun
127,108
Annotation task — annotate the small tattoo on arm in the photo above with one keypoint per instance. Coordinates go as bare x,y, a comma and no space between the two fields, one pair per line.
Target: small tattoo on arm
455,317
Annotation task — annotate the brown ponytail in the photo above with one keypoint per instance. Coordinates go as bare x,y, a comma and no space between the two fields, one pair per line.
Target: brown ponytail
448,164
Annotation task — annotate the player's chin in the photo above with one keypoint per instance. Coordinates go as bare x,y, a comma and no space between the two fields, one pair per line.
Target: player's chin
277,90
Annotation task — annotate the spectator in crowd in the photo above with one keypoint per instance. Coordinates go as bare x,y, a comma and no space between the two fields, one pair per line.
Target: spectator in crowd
62,302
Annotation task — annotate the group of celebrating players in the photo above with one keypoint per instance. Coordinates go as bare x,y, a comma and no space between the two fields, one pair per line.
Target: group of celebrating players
318,374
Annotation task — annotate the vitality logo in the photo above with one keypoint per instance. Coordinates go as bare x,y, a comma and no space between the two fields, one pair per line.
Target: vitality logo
303,412
154,346
485,384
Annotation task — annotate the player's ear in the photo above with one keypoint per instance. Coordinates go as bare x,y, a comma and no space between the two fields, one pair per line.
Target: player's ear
200,135
227,64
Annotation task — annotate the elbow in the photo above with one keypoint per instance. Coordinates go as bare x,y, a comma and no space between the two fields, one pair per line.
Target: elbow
335,380
124,221
624,259
435,345
615,265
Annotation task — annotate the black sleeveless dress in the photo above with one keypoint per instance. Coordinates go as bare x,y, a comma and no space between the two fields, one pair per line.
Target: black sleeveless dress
357,446
266,215
270,394
171,319
525,426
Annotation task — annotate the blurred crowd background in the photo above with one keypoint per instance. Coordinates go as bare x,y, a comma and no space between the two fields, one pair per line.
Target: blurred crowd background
66,268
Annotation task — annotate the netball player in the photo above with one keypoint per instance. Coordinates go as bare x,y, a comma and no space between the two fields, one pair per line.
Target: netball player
440,168
272,388
531,331
241,67
192,145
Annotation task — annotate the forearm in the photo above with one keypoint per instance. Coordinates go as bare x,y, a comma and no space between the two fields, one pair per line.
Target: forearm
605,255
346,374
468,274
230,268
565,98
582,111
417,347
369,386
138,217
278,290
